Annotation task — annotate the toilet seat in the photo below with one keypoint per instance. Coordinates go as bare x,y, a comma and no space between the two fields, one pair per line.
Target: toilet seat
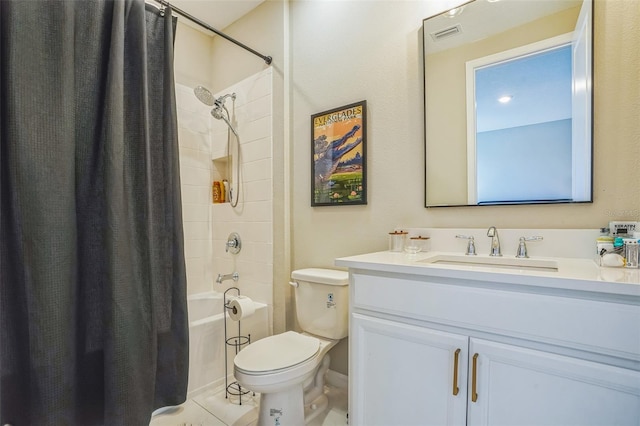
276,353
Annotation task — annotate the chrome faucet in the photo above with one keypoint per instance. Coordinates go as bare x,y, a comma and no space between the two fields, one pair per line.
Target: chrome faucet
495,241
234,276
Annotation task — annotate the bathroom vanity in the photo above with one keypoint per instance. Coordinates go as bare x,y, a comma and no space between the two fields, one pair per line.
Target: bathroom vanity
443,339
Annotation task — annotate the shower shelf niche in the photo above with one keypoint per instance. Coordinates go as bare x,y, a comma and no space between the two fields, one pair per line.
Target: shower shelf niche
220,173
220,168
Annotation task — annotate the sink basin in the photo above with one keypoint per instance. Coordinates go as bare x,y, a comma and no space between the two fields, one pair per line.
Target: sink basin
494,262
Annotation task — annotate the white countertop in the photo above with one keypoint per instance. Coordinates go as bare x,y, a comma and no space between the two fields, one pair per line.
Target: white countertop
572,274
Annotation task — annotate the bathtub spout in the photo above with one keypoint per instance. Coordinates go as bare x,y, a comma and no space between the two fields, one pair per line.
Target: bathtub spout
235,276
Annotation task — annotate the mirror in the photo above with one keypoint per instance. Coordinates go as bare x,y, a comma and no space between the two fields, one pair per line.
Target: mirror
508,103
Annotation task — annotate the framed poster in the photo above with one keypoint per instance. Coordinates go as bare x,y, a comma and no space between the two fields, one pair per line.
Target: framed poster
338,160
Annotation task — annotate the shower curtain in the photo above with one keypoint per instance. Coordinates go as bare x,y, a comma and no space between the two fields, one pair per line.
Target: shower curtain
93,297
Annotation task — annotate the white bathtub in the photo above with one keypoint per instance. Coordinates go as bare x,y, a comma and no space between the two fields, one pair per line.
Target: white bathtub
206,338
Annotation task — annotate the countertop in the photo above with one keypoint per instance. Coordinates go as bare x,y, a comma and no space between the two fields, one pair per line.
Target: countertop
572,274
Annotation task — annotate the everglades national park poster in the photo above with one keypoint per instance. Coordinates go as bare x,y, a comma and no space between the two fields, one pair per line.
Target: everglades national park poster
338,164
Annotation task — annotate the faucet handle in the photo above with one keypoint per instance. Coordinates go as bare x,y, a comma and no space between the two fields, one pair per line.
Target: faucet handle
522,246
471,247
233,244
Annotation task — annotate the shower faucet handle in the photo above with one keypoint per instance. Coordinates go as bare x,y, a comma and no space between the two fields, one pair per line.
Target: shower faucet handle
233,244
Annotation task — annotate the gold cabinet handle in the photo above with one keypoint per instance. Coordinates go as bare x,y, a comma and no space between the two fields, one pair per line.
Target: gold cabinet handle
455,372
474,379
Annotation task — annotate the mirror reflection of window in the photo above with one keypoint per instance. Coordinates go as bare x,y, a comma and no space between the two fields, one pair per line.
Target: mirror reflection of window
509,170
523,117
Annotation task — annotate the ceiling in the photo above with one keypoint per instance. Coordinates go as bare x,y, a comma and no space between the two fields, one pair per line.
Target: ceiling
480,19
217,13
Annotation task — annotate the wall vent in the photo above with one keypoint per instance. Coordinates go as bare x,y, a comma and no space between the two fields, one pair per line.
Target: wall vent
446,33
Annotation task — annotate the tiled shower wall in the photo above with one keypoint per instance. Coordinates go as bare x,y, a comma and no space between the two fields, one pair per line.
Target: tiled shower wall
194,139
207,226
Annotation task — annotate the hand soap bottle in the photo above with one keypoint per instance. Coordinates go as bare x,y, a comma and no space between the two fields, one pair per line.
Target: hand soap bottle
604,245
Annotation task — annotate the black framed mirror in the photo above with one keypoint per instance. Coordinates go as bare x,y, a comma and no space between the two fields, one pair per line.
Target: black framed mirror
508,103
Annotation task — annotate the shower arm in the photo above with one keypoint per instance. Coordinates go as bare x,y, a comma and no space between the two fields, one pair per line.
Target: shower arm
221,99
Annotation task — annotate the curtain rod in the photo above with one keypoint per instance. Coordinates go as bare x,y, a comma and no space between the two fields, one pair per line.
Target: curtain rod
192,18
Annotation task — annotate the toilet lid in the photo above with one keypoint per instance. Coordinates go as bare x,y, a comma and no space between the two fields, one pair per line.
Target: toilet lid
277,352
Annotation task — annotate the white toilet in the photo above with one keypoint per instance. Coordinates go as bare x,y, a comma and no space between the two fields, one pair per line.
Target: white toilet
288,369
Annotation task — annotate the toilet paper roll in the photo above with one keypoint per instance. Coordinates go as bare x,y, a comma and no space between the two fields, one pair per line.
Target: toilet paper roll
241,308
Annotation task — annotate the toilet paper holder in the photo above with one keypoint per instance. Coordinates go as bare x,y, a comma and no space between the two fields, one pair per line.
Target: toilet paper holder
237,341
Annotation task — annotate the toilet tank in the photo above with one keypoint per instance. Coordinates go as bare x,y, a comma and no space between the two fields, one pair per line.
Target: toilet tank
322,301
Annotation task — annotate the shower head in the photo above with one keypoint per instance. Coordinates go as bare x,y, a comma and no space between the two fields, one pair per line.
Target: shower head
216,112
219,115
219,110
204,95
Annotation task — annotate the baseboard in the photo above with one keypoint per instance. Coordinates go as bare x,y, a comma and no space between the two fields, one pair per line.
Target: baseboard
337,380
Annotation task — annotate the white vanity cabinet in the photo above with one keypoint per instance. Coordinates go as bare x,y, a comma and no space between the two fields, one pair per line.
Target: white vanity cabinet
402,374
516,385
433,350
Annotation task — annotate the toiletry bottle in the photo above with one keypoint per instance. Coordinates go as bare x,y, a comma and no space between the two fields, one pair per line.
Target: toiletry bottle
225,190
604,244
415,244
217,192
396,240
631,253
618,245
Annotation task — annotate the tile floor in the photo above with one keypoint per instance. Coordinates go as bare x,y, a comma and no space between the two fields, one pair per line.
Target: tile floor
212,409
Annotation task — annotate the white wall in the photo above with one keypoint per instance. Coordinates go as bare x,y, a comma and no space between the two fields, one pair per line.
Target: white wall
347,51
207,226
194,139
192,67
202,139
192,55
265,29
252,218
329,53
371,51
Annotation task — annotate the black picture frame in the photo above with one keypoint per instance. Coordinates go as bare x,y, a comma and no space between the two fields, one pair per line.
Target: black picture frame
339,156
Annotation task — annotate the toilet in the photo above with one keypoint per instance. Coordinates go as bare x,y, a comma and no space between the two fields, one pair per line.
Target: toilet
288,369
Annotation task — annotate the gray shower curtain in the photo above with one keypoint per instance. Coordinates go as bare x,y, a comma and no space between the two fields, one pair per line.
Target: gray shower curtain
92,277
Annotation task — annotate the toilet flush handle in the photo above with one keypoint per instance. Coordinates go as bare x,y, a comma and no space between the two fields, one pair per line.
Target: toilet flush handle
293,284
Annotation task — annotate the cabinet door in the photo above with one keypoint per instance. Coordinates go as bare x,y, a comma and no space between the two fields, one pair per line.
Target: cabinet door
517,386
404,375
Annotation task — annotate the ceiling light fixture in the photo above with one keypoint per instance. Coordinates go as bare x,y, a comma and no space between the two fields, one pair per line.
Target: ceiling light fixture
505,99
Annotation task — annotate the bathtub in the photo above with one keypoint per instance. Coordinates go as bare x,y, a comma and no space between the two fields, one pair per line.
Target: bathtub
206,338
